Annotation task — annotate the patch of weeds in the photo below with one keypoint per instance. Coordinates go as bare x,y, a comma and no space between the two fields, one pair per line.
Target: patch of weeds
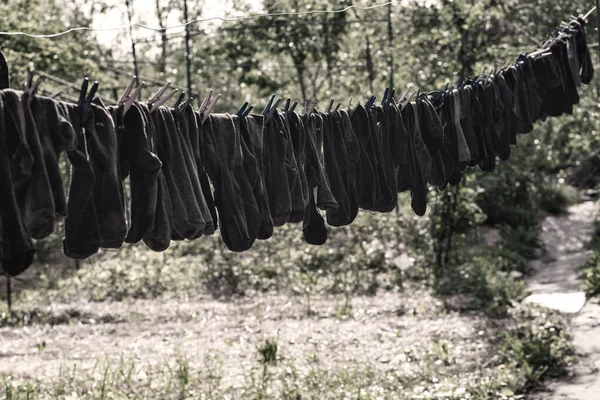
538,345
38,316
506,259
486,285
591,275
596,236
523,240
556,198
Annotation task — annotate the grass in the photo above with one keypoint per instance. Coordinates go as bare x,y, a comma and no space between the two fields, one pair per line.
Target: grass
534,345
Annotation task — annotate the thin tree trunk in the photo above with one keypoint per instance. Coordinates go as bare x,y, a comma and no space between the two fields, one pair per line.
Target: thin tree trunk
162,63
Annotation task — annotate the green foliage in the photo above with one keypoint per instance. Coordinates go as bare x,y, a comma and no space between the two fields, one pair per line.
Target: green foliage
268,352
555,199
70,57
538,345
523,240
488,286
591,275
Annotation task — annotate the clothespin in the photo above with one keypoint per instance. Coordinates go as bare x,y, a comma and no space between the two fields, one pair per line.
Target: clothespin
338,106
293,107
350,103
179,100
268,106
370,102
30,88
330,106
157,101
403,97
385,96
208,105
416,92
287,105
243,112
127,93
85,99
183,106
160,92
132,97
271,108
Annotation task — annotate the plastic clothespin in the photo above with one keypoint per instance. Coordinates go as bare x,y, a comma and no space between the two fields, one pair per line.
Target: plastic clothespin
370,102
247,111
268,106
127,93
179,100
187,103
338,106
85,99
403,97
159,93
133,97
385,96
161,100
242,110
206,100
210,106
30,87
330,105
293,107
274,108
287,105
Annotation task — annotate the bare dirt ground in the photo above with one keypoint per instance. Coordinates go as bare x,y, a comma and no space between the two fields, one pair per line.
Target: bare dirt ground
383,331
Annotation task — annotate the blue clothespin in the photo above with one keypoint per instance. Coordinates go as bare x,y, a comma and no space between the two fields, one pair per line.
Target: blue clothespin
242,110
370,102
385,96
247,111
268,106
85,99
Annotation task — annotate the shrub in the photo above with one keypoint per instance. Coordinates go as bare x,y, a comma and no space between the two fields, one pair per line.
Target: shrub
490,289
555,199
591,275
538,345
522,239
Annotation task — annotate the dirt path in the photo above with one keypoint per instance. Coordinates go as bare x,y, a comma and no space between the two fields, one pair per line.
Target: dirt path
557,284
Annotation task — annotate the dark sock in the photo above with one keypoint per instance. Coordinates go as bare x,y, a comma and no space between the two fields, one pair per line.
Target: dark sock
82,231
278,182
252,147
144,166
158,238
17,250
188,130
187,218
35,197
298,142
367,180
313,226
56,136
224,165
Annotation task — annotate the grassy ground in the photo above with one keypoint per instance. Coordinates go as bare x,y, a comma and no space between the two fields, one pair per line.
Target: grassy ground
354,319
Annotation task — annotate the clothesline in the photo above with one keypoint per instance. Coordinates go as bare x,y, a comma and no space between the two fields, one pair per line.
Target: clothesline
199,20
191,172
